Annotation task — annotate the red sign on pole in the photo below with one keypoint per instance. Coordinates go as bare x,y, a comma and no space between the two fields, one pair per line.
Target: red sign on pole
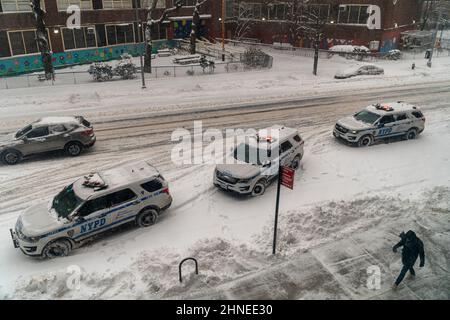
287,177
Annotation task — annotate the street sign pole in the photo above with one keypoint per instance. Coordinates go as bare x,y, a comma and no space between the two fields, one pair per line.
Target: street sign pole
276,210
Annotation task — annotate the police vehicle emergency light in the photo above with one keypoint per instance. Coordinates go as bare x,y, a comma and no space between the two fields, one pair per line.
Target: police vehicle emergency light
90,206
381,121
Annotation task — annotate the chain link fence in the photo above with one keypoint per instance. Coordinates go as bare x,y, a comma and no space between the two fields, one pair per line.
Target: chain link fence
158,72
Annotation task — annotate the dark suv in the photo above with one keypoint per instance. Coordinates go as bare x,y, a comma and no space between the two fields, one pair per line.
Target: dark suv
70,134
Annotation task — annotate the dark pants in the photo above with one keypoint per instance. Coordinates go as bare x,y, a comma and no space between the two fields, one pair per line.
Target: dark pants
403,273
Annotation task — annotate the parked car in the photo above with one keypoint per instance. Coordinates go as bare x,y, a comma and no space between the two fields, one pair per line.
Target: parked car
92,205
254,164
364,70
381,121
70,134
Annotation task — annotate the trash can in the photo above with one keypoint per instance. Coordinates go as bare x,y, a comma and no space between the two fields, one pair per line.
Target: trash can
428,54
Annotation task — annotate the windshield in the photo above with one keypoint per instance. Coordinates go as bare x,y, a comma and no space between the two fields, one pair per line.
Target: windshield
252,155
366,116
65,202
23,131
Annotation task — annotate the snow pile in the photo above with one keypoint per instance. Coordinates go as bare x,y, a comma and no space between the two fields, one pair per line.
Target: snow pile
154,273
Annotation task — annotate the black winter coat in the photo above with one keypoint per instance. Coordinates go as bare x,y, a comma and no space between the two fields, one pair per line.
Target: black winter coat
412,249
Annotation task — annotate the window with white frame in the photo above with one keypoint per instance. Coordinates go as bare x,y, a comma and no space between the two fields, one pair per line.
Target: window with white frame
79,38
18,5
23,42
277,11
185,3
250,10
323,10
353,14
161,4
117,4
118,34
82,4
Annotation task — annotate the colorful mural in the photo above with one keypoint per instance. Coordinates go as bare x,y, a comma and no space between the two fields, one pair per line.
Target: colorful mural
32,63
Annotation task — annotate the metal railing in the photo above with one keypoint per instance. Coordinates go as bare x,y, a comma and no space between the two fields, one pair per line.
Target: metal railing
83,77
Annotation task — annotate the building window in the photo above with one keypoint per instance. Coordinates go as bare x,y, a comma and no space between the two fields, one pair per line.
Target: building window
161,4
118,34
117,4
17,5
353,14
323,10
250,10
185,3
277,11
230,7
83,4
23,42
79,38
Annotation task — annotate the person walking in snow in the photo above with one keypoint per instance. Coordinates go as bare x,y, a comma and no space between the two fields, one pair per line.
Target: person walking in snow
412,249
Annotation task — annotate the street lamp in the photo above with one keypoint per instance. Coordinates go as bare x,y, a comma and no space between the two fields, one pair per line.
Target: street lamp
223,30
140,29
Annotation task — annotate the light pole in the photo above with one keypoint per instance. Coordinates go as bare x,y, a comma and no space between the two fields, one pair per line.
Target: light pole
223,30
140,29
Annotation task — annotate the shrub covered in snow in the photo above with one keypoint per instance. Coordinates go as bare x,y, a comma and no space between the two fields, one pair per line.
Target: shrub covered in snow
101,71
125,68
256,58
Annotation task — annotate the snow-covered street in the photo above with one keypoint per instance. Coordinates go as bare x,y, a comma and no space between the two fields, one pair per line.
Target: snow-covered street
344,215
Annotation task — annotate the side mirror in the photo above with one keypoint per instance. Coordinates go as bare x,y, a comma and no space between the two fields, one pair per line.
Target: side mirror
24,138
380,125
79,219
267,164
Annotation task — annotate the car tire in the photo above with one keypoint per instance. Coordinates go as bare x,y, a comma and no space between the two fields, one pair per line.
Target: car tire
73,149
365,141
259,188
147,218
57,249
296,162
11,157
411,134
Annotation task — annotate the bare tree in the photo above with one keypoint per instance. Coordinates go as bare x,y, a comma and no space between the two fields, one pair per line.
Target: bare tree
243,20
151,23
41,38
305,21
195,25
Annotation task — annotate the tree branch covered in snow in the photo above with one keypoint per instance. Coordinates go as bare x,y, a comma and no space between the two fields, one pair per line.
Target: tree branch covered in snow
41,38
151,23
195,24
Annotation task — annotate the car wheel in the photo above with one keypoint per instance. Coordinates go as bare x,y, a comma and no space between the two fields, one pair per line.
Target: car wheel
147,218
259,188
296,162
411,134
56,249
73,149
11,157
365,141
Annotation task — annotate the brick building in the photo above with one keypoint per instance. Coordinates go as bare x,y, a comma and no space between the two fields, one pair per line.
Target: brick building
110,27
346,21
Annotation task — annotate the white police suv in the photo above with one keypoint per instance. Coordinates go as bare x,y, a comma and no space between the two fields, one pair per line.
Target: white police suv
381,121
90,206
254,163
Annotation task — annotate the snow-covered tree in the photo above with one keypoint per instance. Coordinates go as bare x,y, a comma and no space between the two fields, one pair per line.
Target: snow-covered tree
41,38
242,19
151,23
195,25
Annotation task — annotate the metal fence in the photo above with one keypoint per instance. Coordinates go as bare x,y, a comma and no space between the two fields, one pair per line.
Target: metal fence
158,72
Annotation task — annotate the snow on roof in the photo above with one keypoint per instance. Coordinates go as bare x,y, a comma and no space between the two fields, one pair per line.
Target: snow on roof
116,177
57,120
398,106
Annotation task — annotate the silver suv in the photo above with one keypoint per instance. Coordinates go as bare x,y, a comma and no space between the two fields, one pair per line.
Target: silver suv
70,134
90,206
381,121
247,174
